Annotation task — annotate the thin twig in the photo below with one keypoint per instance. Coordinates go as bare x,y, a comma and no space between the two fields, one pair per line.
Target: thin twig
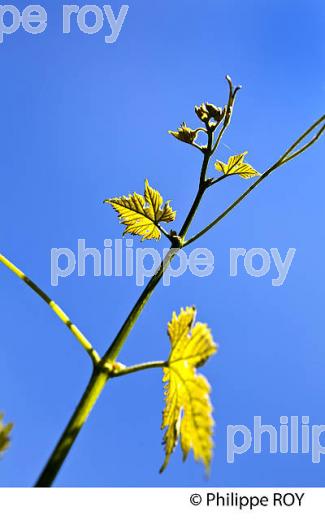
164,232
223,177
302,137
55,308
307,145
283,160
226,122
137,368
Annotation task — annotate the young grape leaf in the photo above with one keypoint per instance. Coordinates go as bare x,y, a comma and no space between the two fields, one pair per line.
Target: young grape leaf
237,166
4,435
142,215
188,410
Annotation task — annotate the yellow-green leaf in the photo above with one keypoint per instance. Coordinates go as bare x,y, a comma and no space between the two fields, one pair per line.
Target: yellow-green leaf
4,435
142,214
237,166
188,410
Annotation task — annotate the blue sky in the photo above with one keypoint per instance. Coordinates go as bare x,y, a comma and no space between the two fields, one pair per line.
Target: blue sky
83,121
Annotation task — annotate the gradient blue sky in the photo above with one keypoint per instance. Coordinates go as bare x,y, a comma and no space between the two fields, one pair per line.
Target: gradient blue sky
82,121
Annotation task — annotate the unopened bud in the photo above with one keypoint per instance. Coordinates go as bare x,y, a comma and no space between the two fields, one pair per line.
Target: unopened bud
185,134
202,113
208,111
216,113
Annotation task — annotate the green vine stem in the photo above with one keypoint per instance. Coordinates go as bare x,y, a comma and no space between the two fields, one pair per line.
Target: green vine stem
95,357
105,368
95,387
